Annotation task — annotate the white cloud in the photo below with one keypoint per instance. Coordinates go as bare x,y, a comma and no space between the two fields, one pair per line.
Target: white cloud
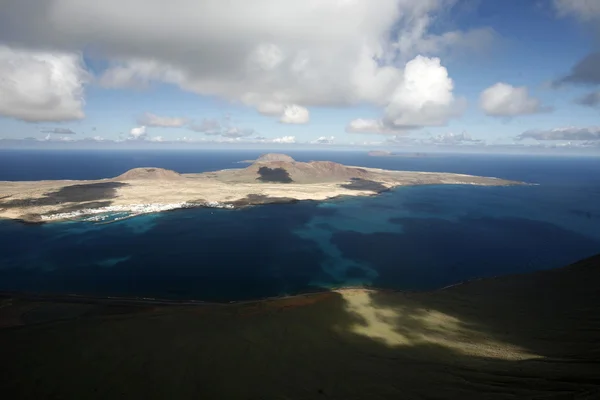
207,125
454,139
157,139
236,133
504,100
150,119
50,138
224,128
585,10
39,86
138,133
60,131
414,38
323,140
295,114
361,125
366,143
285,139
273,54
591,133
423,97
268,107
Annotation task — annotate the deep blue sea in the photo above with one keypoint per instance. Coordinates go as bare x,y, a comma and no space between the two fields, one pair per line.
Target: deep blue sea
412,238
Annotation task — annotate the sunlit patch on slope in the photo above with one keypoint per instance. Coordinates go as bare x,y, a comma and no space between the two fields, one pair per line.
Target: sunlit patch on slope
402,325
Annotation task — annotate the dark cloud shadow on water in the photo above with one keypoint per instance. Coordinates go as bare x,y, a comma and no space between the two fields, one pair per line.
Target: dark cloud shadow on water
215,255
432,252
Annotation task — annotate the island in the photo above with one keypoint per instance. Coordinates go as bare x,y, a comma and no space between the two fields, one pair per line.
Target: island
269,157
273,178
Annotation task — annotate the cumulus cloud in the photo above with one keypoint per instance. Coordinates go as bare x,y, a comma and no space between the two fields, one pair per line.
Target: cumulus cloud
567,133
423,97
323,140
40,86
504,100
60,131
285,139
361,125
224,128
295,114
585,10
234,133
590,99
273,54
207,125
586,71
138,133
149,119
51,138
402,140
454,139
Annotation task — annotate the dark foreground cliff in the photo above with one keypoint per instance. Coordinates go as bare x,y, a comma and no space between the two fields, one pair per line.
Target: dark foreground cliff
534,336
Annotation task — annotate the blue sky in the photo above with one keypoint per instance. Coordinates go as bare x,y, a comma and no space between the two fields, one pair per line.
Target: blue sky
284,72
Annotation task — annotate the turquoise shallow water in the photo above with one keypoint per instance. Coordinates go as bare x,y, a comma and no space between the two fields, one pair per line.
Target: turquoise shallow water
412,238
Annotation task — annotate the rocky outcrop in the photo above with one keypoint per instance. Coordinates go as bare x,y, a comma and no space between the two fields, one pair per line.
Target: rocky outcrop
314,171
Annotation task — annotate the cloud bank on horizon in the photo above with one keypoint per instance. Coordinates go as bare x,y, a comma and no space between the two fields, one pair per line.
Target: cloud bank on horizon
315,72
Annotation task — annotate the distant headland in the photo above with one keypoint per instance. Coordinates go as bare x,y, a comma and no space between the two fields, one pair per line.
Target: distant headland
272,178
385,153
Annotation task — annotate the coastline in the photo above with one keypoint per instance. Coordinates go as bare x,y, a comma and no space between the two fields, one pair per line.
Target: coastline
250,200
163,301
273,178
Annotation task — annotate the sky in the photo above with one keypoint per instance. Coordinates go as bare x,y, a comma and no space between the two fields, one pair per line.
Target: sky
387,74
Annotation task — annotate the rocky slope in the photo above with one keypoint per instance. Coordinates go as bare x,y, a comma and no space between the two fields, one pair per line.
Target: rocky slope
533,336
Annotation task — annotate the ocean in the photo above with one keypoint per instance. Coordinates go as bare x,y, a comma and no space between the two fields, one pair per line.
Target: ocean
410,238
